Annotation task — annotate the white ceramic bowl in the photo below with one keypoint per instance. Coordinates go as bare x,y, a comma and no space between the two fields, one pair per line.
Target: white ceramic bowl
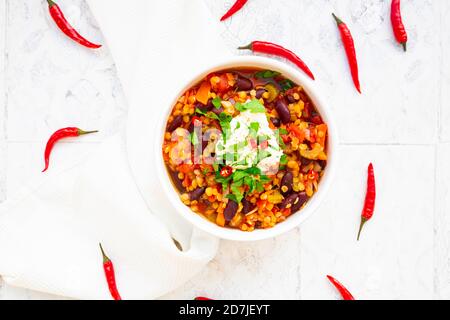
296,219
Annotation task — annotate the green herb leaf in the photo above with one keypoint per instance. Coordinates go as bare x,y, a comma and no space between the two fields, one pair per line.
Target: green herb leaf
193,138
283,160
264,179
286,84
259,186
253,106
253,171
266,74
254,127
210,115
283,131
232,197
217,102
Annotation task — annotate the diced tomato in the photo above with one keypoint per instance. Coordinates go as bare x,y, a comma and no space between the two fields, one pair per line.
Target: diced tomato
316,119
312,175
264,144
206,168
261,204
253,143
223,85
226,171
286,138
186,181
185,168
307,111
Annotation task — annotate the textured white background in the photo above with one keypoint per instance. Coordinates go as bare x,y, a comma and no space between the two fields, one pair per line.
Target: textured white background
401,123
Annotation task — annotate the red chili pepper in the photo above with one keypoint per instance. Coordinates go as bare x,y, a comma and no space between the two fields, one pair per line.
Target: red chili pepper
226,171
346,295
369,203
110,275
235,8
277,50
58,135
202,298
349,46
397,24
65,26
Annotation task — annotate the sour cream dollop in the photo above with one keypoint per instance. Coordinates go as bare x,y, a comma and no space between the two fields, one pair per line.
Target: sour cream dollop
251,142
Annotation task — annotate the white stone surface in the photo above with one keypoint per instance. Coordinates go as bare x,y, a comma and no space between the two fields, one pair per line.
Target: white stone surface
401,123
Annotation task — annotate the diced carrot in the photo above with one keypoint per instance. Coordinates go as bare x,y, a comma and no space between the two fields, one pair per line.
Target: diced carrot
300,134
203,92
322,134
220,219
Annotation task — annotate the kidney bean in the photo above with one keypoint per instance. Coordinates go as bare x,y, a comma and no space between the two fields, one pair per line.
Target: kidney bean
175,124
204,108
322,164
286,182
297,205
176,181
196,194
305,162
290,98
283,111
230,210
295,201
244,84
260,92
247,206
276,122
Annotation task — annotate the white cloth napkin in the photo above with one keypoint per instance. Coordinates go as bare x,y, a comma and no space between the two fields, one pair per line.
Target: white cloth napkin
49,233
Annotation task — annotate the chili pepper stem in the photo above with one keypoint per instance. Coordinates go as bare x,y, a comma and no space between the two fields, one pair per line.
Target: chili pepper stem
82,132
105,257
404,46
363,222
247,47
51,3
338,20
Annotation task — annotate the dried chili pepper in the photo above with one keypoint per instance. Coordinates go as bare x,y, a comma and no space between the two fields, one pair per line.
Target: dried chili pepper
64,25
108,267
235,8
397,24
277,50
349,46
369,203
226,171
202,298
58,135
346,295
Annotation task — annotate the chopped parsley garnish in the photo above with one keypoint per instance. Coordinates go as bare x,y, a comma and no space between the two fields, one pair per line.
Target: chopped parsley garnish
251,177
266,74
254,127
286,84
217,102
193,138
283,160
223,118
253,106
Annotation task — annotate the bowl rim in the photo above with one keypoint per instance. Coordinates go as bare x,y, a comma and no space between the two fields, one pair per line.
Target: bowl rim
312,205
